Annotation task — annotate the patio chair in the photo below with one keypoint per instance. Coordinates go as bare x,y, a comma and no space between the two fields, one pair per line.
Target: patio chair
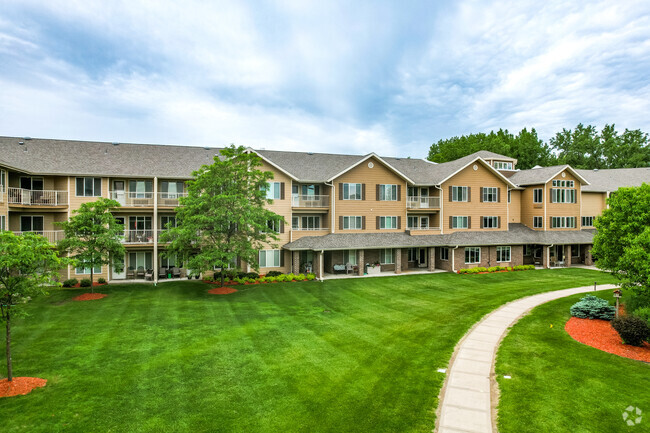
162,272
176,272
140,272
348,268
130,274
149,275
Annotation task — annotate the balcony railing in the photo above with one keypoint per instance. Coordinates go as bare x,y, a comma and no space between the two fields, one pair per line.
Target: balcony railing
422,228
52,236
303,200
422,202
170,199
30,197
308,229
133,199
138,237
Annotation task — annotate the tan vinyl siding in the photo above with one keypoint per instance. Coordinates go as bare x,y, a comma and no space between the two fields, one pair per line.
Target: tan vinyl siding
370,208
475,209
281,207
75,202
562,209
530,209
593,203
514,209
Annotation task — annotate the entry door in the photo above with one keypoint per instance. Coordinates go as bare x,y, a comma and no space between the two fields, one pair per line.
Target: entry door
559,253
118,191
119,275
424,199
423,257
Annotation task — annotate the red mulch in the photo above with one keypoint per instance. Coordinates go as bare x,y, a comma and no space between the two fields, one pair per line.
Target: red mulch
95,284
222,291
89,297
601,335
20,386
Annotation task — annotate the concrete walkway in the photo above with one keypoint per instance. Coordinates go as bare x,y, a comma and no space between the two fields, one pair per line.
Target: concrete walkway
469,397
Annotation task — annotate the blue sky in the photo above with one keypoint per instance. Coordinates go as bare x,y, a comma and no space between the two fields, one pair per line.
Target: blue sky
343,77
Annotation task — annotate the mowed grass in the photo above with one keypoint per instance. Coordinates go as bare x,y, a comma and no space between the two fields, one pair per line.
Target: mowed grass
560,385
357,355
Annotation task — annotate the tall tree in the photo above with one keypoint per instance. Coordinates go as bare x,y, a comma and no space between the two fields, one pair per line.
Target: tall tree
224,215
622,240
580,147
93,236
28,265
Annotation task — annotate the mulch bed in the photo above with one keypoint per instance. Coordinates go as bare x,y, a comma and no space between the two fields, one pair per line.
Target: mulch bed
20,386
222,291
601,335
89,297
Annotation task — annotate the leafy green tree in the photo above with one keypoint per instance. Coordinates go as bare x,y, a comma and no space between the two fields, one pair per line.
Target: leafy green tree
622,241
93,236
224,215
28,265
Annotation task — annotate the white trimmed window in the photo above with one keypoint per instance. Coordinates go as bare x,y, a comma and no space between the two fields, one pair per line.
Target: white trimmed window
472,255
444,253
352,191
458,193
169,262
501,165
527,250
352,223
269,258
559,195
83,270
3,223
538,222
490,222
388,222
459,222
388,192
386,256
490,194
273,190
503,254
89,187
140,188
588,221
563,222
350,256
2,181
563,183
538,195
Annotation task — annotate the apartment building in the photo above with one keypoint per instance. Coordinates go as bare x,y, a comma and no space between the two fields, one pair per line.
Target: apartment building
342,212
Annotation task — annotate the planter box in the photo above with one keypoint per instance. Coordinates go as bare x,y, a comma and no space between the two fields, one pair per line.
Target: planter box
374,271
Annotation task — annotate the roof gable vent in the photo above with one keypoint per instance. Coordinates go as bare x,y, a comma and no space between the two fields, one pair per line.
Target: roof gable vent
27,138
310,153
115,143
21,142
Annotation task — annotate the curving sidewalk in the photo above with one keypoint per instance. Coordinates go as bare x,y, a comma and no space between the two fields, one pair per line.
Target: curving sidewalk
469,398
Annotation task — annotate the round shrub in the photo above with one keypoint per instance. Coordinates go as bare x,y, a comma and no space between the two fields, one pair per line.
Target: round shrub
71,282
592,307
273,273
101,280
633,330
85,282
643,313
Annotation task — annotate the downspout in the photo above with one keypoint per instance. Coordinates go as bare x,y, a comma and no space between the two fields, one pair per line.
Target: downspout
442,215
155,260
320,266
548,256
453,258
545,223
332,207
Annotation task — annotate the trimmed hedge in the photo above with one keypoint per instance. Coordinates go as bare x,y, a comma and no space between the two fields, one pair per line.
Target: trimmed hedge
592,307
71,282
633,330
101,281
496,269
85,282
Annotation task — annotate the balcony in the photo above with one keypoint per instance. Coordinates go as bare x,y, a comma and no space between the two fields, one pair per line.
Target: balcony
170,199
133,199
52,236
422,202
310,201
28,197
419,228
134,237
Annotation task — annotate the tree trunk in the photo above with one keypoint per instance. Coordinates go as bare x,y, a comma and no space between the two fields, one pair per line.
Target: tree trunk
92,268
221,277
10,375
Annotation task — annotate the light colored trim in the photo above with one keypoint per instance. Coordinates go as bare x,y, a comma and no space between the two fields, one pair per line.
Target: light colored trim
155,231
565,167
482,161
371,155
268,161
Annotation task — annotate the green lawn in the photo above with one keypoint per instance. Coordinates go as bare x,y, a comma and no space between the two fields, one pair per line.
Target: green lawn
345,355
560,385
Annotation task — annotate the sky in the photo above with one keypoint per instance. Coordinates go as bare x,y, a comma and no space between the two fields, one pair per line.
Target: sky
390,77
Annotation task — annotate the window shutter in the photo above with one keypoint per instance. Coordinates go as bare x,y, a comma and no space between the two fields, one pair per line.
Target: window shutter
469,193
550,222
281,190
363,222
363,191
482,219
377,192
451,221
399,222
341,222
281,226
498,195
377,222
281,258
469,222
499,222
480,198
451,191
341,191
399,192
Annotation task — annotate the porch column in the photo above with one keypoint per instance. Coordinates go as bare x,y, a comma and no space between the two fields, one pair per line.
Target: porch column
361,262
398,261
567,254
296,261
317,265
589,260
432,259
546,257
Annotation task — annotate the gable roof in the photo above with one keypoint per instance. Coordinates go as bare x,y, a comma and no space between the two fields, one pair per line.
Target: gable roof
486,154
90,158
613,179
367,157
542,175
309,166
446,170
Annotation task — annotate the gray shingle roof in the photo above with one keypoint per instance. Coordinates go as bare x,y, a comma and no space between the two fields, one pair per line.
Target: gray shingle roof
536,175
63,157
517,234
420,171
310,167
613,179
